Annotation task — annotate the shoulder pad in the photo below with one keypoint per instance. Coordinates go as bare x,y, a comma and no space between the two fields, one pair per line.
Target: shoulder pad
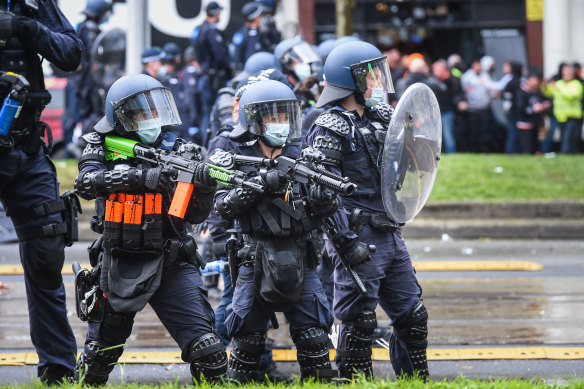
333,122
382,111
223,159
93,138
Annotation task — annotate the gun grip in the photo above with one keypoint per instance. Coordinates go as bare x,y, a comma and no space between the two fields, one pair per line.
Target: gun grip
180,201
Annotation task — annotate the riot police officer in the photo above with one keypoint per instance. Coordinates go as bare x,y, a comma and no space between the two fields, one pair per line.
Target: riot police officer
276,226
213,56
30,31
247,40
170,76
350,133
90,105
267,28
152,62
190,80
147,255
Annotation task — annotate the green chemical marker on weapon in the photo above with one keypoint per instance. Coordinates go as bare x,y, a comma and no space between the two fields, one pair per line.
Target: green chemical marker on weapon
221,175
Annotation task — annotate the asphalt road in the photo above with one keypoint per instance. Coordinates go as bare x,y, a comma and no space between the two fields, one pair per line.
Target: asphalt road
467,309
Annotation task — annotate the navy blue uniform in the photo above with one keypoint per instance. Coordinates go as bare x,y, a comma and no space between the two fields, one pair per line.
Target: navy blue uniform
28,179
247,42
177,297
213,56
275,233
173,82
390,277
192,101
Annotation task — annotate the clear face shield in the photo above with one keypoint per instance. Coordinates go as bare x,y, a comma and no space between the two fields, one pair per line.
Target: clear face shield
150,108
373,79
275,121
304,60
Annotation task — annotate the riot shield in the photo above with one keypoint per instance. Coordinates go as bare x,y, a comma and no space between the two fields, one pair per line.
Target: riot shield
108,57
411,153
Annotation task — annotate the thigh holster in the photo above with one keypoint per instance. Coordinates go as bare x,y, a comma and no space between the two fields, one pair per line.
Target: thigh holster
354,352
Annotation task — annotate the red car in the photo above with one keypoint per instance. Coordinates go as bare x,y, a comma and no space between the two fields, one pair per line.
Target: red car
53,113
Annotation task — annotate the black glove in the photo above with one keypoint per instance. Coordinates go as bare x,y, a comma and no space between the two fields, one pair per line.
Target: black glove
25,27
322,200
359,253
6,25
157,180
274,180
202,178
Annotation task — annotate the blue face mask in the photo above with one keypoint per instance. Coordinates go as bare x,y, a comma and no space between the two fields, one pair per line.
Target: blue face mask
376,97
276,133
303,71
149,130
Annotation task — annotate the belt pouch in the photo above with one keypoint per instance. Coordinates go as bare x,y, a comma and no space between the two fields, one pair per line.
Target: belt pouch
132,227
152,226
112,226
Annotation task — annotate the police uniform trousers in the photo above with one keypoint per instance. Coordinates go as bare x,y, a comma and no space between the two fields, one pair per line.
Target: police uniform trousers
180,303
25,182
390,281
246,315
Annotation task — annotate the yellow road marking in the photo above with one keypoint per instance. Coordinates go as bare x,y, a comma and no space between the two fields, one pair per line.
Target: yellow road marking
379,354
419,265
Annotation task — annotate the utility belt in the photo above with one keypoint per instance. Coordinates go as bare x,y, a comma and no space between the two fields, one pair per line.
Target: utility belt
133,222
67,205
379,221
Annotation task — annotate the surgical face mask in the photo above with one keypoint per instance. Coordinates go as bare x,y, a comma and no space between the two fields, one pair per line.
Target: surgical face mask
162,71
376,97
276,133
149,130
302,71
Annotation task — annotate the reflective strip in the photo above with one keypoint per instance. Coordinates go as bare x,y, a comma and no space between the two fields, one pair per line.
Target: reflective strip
419,265
379,354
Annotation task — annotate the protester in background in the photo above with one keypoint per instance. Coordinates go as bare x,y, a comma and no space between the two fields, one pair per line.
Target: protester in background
450,100
515,69
529,105
567,95
474,85
418,71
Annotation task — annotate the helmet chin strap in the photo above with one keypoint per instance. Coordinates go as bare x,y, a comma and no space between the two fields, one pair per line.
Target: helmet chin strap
359,98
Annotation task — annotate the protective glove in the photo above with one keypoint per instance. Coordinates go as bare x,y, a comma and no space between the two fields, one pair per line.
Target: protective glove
157,180
274,180
359,252
202,178
322,200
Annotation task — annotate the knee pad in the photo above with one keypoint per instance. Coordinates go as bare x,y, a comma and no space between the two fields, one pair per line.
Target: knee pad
354,352
208,358
245,358
96,363
312,345
413,331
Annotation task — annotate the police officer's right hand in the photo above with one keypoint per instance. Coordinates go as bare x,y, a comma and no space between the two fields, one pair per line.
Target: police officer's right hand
359,252
158,180
274,180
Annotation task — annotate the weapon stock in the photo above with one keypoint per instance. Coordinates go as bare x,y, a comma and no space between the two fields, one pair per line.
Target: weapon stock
183,161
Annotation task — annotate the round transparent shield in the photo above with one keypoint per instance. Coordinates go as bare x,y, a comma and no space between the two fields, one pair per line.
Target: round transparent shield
284,112
148,105
372,74
411,153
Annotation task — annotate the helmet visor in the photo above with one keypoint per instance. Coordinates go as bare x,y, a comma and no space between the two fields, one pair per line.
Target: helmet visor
304,52
153,104
372,74
284,112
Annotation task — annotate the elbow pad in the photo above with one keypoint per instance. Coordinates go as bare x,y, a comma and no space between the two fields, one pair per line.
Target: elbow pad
95,183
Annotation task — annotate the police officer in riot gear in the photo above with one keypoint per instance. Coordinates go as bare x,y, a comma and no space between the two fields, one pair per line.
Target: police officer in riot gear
267,28
90,104
276,265
350,133
29,32
300,63
247,40
213,56
152,260
170,76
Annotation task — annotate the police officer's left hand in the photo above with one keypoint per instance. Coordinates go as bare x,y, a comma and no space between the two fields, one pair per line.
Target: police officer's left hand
202,178
322,200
